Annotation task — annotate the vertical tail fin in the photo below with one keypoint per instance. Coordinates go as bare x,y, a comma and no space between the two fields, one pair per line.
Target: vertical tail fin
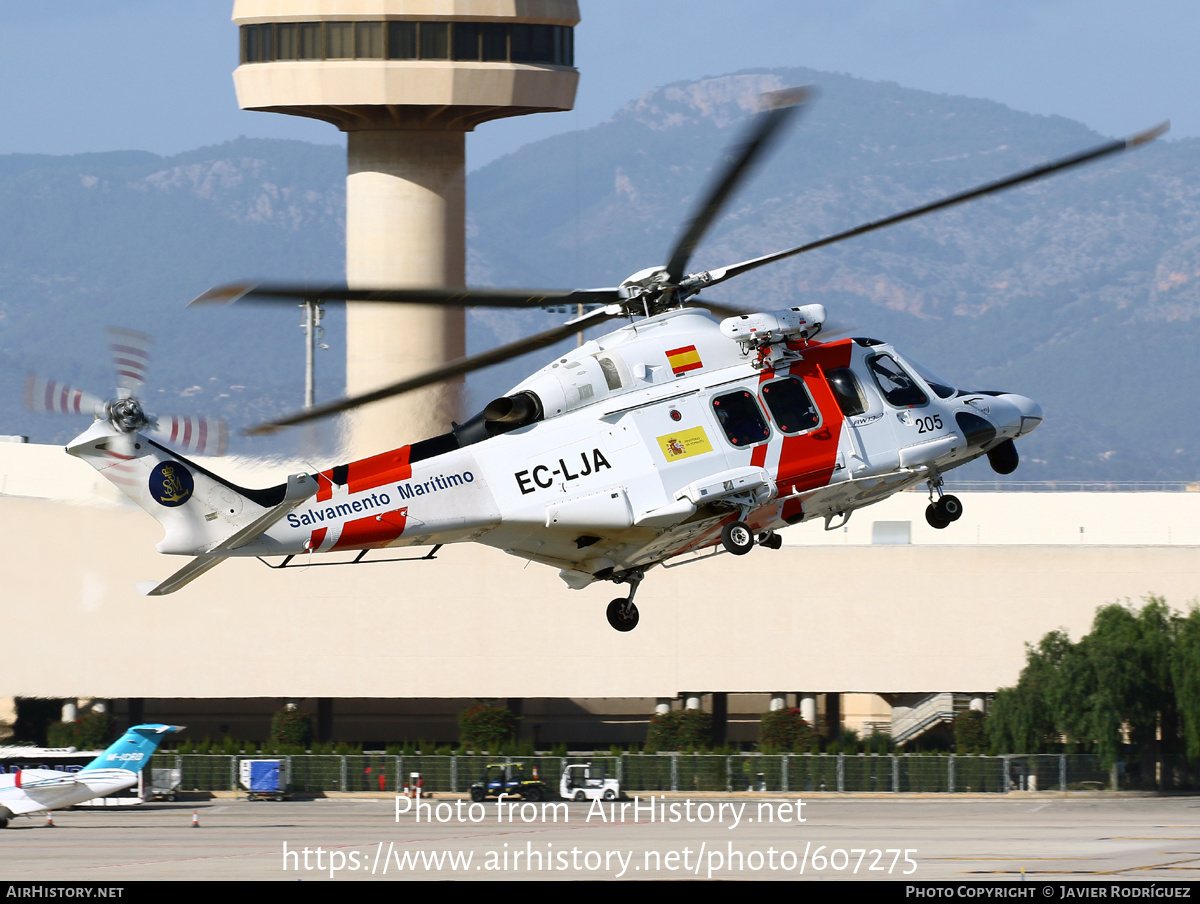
132,751
197,509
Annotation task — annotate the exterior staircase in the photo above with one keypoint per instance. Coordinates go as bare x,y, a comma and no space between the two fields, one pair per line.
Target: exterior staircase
915,714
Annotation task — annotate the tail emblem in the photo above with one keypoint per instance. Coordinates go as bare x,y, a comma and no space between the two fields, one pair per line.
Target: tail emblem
171,484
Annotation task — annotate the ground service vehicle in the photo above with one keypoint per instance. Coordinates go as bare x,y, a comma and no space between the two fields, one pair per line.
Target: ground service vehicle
690,426
508,778
586,781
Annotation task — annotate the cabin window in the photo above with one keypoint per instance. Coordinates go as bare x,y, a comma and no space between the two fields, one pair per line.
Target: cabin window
894,382
741,418
790,405
846,391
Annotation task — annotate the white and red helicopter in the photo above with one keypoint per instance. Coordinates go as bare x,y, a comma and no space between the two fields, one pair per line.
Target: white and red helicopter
673,433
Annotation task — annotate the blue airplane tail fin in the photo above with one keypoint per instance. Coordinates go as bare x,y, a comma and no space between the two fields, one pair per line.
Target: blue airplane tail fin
132,751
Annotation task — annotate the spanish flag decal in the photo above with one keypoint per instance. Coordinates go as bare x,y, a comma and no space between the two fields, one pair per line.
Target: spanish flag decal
684,359
685,443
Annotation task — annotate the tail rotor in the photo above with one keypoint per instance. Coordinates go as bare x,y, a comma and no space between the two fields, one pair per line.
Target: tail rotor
125,412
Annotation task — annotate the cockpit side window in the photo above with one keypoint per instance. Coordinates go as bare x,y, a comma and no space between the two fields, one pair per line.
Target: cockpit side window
846,390
741,418
790,405
897,386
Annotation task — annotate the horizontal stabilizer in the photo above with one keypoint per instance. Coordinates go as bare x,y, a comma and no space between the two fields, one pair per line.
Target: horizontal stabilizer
300,487
182,577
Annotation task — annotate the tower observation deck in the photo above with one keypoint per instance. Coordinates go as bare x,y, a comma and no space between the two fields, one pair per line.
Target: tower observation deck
406,80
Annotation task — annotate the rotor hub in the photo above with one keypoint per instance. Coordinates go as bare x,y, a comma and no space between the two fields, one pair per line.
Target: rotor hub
126,415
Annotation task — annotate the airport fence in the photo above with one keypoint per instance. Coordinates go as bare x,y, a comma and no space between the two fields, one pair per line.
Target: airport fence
685,772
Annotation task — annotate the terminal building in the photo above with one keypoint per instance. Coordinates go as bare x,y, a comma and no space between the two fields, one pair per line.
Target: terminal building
885,623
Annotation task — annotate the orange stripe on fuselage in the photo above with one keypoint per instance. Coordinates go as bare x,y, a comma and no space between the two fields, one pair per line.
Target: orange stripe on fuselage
367,474
380,469
372,532
807,461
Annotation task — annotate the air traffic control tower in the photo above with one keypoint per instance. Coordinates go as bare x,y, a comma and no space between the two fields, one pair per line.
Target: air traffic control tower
405,80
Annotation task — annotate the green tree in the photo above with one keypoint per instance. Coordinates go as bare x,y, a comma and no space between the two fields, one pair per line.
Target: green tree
1022,718
1185,672
1129,676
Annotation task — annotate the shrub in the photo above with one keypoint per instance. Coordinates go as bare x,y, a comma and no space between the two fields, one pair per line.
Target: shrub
291,728
94,731
484,726
785,729
970,732
878,742
685,729
63,734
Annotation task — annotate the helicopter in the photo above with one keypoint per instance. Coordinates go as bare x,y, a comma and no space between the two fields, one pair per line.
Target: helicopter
692,426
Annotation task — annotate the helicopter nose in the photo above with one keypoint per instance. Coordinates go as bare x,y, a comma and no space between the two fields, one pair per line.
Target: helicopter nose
1028,414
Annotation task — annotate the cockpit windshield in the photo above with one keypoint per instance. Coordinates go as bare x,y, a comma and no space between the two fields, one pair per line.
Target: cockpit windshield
941,388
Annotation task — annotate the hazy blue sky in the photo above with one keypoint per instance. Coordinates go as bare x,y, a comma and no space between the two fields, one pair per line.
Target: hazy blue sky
82,75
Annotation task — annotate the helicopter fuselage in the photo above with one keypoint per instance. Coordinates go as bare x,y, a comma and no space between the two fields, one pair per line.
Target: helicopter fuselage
651,439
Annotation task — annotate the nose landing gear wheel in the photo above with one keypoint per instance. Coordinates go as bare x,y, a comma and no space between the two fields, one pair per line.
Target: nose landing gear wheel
950,508
737,538
933,516
622,615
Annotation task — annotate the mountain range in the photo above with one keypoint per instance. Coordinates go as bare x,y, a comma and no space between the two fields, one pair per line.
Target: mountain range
1081,291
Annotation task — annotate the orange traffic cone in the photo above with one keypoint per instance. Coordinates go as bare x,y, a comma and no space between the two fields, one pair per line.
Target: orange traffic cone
195,820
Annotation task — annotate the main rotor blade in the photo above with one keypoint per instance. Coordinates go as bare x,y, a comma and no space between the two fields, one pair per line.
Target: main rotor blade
718,308
459,296
713,277
765,127
440,374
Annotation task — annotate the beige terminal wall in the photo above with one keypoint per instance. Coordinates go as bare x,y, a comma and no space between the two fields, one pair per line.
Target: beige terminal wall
847,616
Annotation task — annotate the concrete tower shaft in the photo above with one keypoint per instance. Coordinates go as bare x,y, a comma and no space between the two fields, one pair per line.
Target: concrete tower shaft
405,79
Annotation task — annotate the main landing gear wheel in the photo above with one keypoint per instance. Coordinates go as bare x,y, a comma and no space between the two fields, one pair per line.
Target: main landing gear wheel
770,540
622,615
737,538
